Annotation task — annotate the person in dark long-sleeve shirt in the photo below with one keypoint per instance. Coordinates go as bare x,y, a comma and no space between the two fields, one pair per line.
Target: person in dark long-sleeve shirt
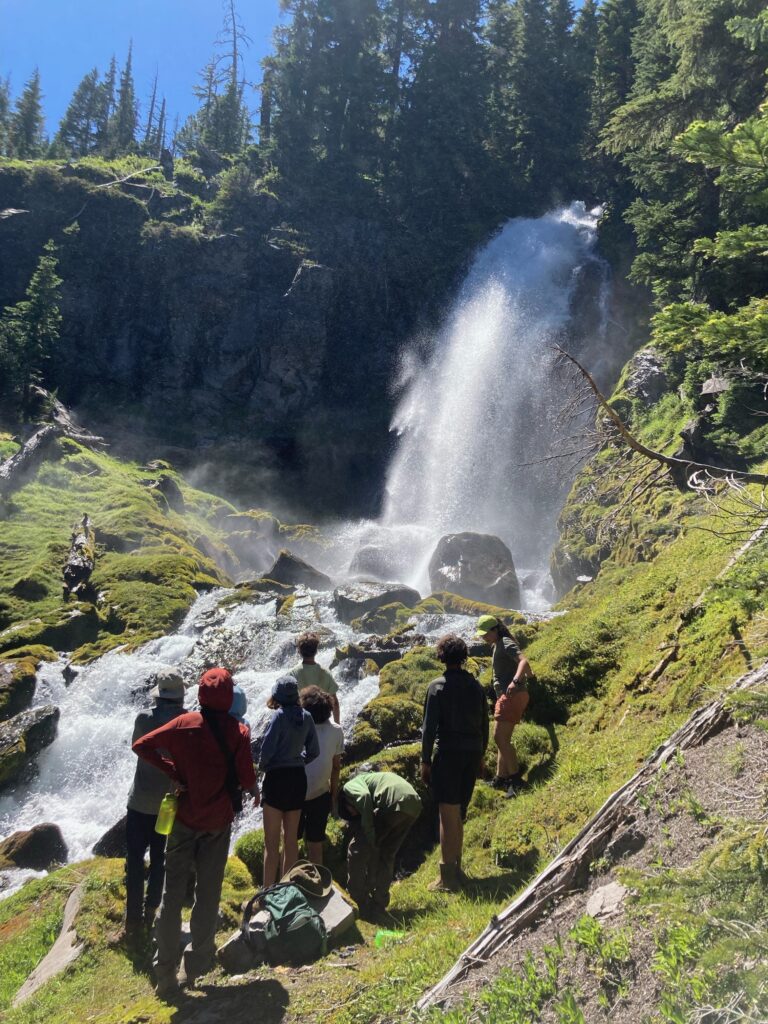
454,738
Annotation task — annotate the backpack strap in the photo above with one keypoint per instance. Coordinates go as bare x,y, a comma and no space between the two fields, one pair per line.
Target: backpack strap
231,781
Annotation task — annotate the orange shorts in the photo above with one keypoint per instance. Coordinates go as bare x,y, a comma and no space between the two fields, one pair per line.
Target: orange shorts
510,707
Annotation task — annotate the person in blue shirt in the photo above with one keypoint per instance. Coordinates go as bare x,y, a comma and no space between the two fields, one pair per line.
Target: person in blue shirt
290,743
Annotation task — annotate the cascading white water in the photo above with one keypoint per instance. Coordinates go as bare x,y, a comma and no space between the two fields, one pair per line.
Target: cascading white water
477,417
82,779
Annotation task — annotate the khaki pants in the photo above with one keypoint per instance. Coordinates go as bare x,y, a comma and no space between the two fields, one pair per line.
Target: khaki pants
370,869
205,853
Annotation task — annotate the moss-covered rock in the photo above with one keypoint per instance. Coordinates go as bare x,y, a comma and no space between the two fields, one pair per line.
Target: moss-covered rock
17,686
384,720
23,737
250,849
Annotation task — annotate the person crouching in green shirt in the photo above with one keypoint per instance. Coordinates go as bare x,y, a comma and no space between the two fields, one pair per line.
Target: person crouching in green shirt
456,724
381,808
309,673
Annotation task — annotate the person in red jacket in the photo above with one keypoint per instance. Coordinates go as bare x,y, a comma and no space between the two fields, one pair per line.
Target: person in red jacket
191,750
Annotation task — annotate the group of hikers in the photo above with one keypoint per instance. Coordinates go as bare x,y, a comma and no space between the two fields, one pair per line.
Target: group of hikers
206,758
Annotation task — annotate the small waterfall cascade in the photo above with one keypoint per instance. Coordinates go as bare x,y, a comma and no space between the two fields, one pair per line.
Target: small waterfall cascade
81,781
476,424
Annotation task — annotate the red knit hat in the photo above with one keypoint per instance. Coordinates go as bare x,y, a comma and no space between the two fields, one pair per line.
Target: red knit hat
215,689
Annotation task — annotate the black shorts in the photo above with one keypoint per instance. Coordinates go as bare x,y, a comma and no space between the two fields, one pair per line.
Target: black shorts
314,818
285,788
454,773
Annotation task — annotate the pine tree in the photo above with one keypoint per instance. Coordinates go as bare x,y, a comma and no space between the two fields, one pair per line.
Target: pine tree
442,154
106,109
27,139
78,130
29,331
5,115
126,117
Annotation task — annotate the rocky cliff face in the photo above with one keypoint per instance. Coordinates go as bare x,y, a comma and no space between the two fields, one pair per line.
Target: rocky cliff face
235,348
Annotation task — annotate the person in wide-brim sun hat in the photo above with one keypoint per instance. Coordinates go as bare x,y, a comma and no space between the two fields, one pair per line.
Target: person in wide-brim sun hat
510,671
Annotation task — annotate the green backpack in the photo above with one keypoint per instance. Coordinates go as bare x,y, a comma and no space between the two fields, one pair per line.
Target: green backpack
294,933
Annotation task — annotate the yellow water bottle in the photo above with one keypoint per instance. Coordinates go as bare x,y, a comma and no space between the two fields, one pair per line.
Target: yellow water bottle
167,814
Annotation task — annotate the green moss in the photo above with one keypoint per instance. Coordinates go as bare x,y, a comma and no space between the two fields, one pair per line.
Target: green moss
250,849
148,570
385,719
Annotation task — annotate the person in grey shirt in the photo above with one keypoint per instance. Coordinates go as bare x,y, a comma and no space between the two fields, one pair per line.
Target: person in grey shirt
149,787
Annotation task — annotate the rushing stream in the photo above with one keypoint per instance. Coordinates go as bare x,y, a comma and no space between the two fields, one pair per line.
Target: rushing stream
475,420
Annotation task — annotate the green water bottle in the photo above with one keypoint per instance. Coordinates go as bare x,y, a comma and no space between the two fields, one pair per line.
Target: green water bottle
385,936
166,814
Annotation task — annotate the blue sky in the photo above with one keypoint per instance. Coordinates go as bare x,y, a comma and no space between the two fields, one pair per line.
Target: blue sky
66,38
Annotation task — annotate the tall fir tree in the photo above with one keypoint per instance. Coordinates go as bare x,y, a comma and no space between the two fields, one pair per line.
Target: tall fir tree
126,116
442,155
78,131
5,115
29,331
105,118
27,136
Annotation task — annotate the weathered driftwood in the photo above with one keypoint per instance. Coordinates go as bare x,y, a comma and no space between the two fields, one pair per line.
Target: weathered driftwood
81,559
18,467
570,868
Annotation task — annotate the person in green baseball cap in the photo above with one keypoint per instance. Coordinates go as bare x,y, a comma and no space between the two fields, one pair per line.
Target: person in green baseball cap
510,671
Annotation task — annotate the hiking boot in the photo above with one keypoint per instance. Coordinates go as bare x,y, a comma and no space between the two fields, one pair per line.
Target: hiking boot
499,782
166,986
515,786
185,978
449,880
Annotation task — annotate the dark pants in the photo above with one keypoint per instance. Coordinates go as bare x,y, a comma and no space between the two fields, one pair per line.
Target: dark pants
140,834
370,869
206,853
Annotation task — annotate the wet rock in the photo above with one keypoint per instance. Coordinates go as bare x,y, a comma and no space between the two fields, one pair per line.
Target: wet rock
478,566
540,583
167,485
294,571
112,843
17,686
371,561
24,736
37,848
353,600
646,378
380,649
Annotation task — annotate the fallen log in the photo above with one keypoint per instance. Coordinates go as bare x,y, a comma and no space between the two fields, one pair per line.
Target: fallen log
558,878
81,559
16,469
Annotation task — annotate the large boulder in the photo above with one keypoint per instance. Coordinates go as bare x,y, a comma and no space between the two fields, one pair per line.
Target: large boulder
294,571
38,848
17,686
646,377
478,566
352,600
23,737
113,842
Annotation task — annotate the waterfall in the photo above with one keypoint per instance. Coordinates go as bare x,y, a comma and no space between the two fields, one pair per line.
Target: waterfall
477,419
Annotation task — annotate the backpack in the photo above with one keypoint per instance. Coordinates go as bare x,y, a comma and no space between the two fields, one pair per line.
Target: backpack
291,932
